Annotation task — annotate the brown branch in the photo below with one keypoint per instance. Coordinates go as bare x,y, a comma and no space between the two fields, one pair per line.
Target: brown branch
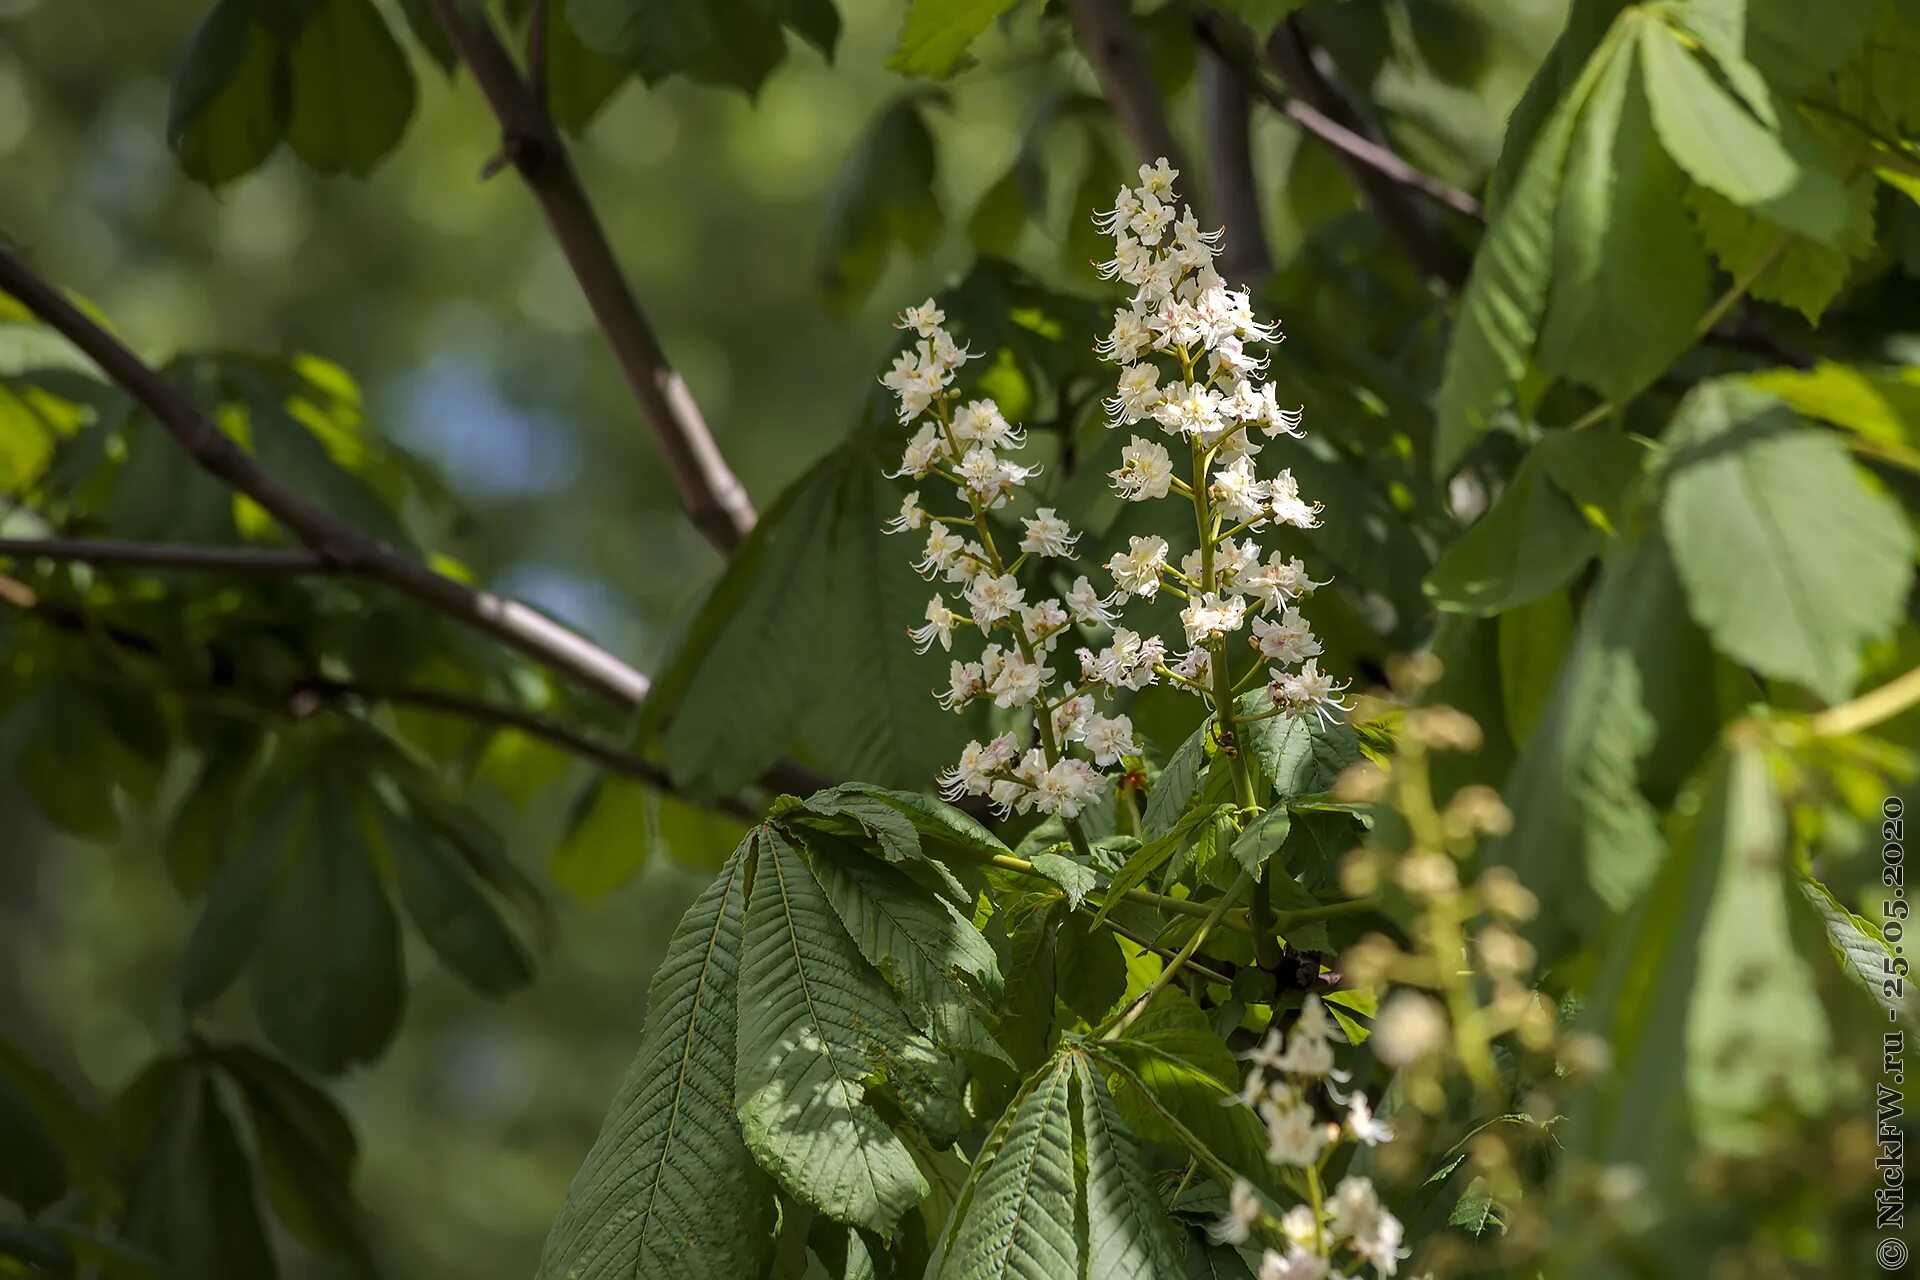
1228,40
537,18
341,545
608,756
113,553
713,497
1225,117
299,703
1311,79
1112,45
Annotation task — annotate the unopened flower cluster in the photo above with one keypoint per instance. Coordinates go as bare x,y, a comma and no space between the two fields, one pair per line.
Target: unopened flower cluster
1190,394
1286,1074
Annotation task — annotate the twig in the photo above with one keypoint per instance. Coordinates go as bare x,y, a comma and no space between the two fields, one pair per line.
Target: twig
1112,45
606,755
113,553
1870,708
1180,957
1218,33
1224,112
1293,57
713,497
349,550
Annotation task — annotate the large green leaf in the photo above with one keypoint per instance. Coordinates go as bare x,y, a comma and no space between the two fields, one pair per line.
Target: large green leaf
1019,1221
669,1189
1629,278
1507,292
1634,703
228,109
884,194
1703,996
925,946
1528,543
327,983
937,32
817,1025
1178,783
1770,166
1791,563
803,638
306,1151
353,90
1785,267
461,924
1298,755
1129,1235
1757,1037
191,1203
1880,406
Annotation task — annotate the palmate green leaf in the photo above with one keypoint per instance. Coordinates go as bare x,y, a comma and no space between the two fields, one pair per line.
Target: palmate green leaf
817,1026
1262,838
1298,755
1029,963
1075,879
885,194
1178,783
1784,267
1771,166
803,638
1149,857
1776,37
927,949
1706,965
579,81
82,1144
1129,1236
902,821
1880,406
1757,1036
670,1189
934,41
1859,945
306,1150
1791,563
1629,278
1529,543
1534,639
353,91
327,983
191,1202
1018,1224
464,928
1506,293
229,105
1634,704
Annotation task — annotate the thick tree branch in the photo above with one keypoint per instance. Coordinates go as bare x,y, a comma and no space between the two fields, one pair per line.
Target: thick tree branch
1311,82
1112,45
1225,118
344,547
712,495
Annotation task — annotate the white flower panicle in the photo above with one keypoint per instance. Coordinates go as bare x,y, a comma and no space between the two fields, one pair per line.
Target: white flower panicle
1291,1084
1191,386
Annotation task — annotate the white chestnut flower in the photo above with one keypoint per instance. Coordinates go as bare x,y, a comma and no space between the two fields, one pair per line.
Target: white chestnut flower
1136,571
1287,640
993,598
1146,471
1048,535
940,624
1109,738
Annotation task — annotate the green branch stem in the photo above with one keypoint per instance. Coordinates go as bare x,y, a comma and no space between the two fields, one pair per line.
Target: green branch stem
1876,706
1181,958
